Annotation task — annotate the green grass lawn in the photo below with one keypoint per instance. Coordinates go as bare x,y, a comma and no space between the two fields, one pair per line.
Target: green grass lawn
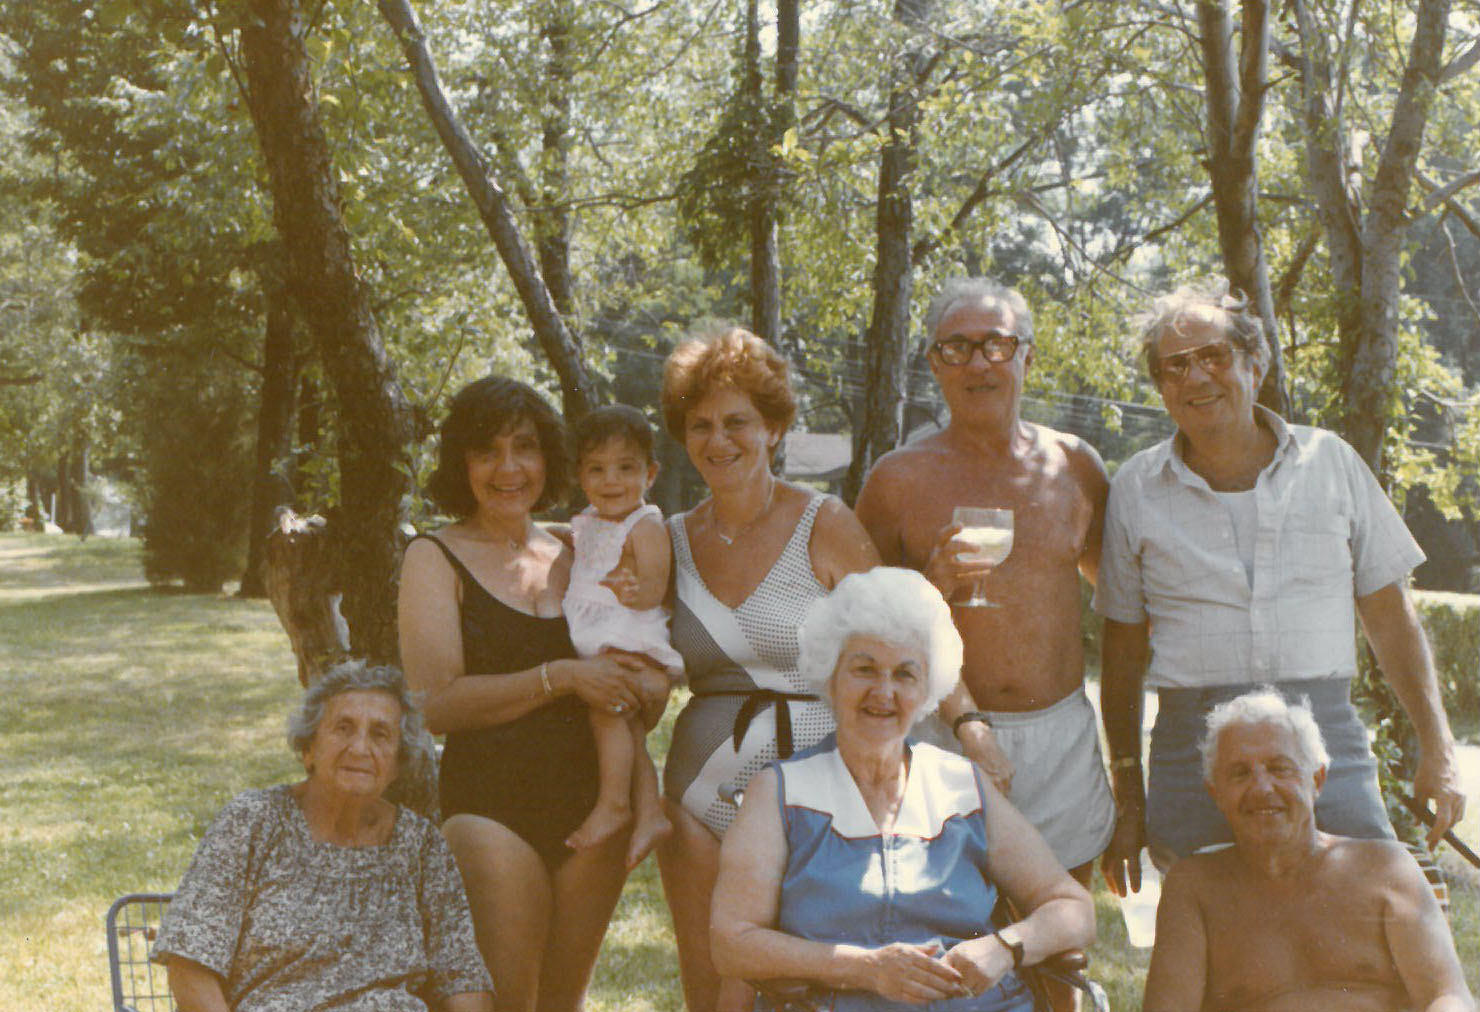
129,716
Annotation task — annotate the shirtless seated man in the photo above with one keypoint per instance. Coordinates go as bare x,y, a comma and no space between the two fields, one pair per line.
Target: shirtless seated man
1289,917
1020,712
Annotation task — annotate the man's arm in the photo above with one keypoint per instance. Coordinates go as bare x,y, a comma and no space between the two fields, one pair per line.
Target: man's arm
1403,653
1095,481
978,740
877,512
1178,978
1124,650
1418,938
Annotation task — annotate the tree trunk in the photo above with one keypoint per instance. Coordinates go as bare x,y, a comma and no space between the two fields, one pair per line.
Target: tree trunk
310,411
1384,235
36,508
1366,255
878,422
375,427
764,193
270,486
1235,106
552,219
560,344
73,514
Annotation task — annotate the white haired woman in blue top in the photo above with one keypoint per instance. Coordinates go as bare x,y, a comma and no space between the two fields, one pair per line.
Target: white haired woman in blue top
870,863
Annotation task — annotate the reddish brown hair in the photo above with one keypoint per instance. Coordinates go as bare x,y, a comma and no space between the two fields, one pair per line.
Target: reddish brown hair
735,358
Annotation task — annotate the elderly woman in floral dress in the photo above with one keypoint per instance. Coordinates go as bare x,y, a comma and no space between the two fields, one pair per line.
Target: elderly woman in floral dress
322,894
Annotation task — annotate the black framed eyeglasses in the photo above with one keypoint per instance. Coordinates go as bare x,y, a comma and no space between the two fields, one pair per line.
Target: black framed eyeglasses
995,348
1211,358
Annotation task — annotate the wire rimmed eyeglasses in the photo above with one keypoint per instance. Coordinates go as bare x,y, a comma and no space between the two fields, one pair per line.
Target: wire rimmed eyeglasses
1212,358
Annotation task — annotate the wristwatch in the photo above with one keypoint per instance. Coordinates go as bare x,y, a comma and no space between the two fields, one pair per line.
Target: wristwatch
969,715
1016,948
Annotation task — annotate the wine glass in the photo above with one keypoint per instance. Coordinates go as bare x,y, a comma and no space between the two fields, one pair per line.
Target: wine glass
989,532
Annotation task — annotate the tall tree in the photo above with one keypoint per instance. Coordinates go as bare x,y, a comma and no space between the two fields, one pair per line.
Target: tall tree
375,422
767,170
738,180
1365,248
878,424
271,486
1235,93
561,345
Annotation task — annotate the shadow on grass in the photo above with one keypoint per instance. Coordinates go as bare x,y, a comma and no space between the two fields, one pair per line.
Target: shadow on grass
131,716
30,560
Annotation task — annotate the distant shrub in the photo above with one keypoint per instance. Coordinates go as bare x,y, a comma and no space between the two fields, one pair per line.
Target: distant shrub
197,489
1453,625
12,506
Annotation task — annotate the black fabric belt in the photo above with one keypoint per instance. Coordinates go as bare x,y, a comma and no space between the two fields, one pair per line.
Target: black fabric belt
755,699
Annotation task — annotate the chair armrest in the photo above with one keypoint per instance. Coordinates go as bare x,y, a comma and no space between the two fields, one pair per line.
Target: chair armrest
793,994
1068,961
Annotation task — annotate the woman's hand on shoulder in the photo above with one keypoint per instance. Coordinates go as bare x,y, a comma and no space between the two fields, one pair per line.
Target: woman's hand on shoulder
839,545
909,973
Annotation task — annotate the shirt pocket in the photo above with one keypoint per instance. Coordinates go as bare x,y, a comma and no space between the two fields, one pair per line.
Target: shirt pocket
1315,550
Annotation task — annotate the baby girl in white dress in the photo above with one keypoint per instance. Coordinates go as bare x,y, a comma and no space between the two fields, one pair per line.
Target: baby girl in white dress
615,602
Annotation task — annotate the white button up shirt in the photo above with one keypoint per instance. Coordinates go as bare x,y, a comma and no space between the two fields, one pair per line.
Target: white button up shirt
1326,534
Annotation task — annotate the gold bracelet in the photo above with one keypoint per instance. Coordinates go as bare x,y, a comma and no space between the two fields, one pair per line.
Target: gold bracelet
1125,763
545,678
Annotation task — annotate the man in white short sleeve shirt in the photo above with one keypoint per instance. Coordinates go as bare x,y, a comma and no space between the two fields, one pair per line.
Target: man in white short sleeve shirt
1238,553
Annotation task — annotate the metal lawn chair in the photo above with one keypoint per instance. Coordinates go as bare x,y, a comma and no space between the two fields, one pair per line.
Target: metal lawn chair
133,924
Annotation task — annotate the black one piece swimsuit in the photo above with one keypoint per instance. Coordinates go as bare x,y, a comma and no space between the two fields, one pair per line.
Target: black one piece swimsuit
536,774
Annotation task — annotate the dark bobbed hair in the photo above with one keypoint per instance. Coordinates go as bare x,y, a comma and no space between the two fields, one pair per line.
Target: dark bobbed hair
733,357
615,421
483,409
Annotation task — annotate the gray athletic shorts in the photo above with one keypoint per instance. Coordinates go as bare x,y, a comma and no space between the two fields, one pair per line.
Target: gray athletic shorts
1058,780
1180,814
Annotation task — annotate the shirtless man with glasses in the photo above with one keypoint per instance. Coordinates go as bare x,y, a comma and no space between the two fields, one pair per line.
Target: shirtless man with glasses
1022,715
1242,550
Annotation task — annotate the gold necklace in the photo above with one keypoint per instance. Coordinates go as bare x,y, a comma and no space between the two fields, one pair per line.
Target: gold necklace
729,539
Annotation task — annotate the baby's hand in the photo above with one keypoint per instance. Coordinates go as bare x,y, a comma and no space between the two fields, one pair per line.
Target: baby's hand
622,582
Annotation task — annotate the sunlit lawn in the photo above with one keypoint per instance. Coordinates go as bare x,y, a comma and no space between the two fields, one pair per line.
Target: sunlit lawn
129,716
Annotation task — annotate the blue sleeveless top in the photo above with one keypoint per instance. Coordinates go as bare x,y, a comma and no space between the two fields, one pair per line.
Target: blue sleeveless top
924,881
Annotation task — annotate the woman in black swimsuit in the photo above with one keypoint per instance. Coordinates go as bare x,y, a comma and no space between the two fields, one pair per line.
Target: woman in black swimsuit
483,638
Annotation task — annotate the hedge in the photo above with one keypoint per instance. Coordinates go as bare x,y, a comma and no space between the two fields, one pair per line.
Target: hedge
1453,624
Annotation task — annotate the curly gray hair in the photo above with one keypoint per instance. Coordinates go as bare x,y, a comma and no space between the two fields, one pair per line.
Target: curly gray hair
1265,706
1241,324
358,676
895,605
962,290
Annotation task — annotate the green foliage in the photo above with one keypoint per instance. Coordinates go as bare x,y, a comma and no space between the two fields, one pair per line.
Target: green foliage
197,463
1452,622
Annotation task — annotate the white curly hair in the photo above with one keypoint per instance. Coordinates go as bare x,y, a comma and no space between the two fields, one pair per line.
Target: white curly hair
895,605
1265,706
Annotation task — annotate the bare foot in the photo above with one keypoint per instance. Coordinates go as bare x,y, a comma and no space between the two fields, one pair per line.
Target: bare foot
652,828
604,822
